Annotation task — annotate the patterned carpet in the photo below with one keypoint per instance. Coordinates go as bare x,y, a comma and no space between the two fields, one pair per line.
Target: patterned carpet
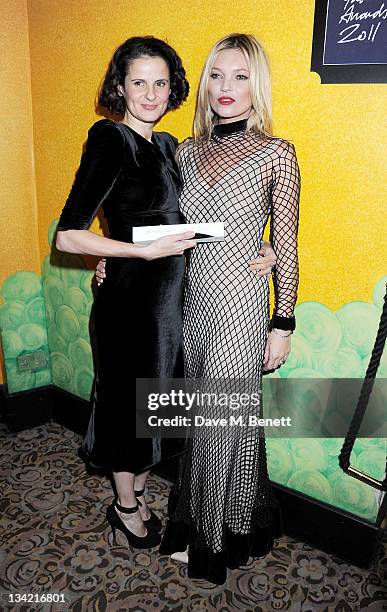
54,539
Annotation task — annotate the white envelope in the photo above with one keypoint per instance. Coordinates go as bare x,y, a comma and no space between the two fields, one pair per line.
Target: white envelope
206,232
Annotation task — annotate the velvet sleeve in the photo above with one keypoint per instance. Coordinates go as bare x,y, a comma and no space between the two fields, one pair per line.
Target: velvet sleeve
100,166
283,236
174,141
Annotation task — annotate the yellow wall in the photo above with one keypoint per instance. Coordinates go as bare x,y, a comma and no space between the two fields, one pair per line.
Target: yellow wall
18,210
336,128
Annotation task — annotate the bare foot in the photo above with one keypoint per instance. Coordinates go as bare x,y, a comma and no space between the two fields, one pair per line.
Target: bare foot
134,523
144,510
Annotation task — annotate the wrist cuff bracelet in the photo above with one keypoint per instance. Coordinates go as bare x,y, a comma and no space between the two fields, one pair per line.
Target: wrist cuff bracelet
285,323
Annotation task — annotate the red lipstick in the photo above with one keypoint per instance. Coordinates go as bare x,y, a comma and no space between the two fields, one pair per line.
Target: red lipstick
226,100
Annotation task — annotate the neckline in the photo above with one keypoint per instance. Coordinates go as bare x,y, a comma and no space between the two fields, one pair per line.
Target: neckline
151,142
224,129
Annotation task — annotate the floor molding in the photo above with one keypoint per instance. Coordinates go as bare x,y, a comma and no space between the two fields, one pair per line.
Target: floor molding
329,528
50,403
16,408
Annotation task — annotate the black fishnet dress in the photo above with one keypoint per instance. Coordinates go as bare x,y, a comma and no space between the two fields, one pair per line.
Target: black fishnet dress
222,504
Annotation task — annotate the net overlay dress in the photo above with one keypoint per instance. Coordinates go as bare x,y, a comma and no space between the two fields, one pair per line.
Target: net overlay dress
138,309
222,504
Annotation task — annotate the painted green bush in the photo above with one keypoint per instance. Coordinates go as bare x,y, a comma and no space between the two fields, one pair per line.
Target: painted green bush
331,345
23,326
68,296
311,466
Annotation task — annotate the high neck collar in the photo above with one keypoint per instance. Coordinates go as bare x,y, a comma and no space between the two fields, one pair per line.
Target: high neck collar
225,129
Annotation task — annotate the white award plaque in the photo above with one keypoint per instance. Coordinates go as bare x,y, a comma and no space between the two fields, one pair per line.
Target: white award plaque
204,232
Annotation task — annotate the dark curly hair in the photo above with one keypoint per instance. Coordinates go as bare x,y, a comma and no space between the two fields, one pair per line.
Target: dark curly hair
131,49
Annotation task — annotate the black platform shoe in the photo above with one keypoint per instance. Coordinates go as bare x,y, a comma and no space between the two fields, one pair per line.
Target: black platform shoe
153,522
152,538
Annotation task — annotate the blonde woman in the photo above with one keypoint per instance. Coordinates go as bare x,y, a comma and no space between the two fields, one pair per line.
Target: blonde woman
235,171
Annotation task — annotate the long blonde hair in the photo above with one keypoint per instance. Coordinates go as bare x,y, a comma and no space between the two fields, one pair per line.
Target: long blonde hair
260,119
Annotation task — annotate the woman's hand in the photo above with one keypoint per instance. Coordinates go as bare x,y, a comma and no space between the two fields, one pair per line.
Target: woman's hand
100,271
263,265
175,244
166,246
277,349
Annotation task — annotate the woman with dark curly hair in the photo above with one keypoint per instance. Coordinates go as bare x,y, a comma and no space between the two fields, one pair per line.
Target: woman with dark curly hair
132,174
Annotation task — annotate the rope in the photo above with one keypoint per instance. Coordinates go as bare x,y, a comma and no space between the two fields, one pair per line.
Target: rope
365,393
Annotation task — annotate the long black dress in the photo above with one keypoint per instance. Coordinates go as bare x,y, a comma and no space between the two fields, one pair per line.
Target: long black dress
222,504
138,309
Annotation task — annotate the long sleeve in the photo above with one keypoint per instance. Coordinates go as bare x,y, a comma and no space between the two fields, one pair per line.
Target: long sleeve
283,234
99,168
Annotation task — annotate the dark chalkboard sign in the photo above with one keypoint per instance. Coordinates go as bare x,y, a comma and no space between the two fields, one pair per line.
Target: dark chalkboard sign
350,41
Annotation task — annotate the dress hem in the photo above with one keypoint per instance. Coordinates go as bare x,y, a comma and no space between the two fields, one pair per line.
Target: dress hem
205,564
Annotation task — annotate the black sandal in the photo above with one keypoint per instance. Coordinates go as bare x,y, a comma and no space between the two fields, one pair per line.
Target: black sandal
151,539
153,522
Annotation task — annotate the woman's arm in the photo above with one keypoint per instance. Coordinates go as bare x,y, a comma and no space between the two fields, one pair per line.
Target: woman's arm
85,242
100,166
88,243
283,237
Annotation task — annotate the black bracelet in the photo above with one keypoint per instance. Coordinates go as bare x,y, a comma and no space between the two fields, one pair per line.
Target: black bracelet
285,323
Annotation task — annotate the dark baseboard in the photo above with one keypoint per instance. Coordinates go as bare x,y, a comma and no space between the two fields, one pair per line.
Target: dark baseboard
323,526
70,410
330,529
28,409
25,409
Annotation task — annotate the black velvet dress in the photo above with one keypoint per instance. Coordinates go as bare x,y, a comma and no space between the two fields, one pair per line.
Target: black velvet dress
138,309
